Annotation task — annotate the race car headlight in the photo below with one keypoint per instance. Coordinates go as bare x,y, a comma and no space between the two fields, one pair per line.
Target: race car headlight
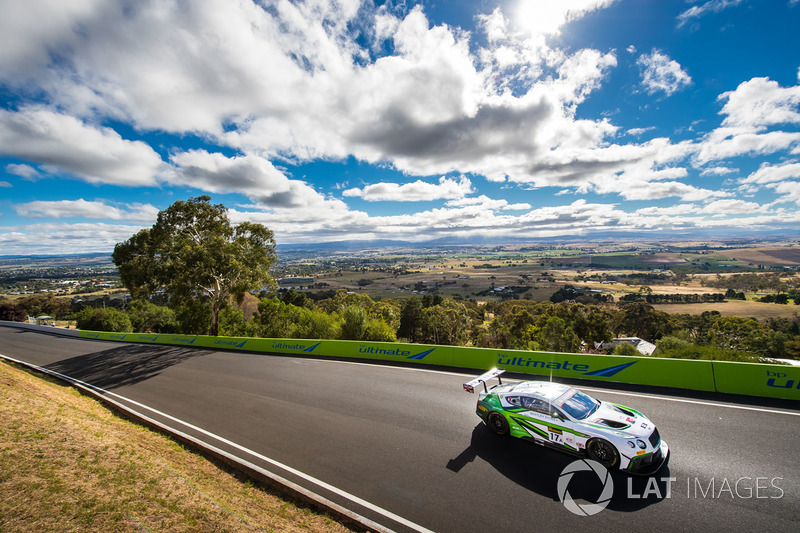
631,444
641,444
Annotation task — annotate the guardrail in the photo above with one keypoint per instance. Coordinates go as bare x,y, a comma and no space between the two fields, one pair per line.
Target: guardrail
754,379
37,327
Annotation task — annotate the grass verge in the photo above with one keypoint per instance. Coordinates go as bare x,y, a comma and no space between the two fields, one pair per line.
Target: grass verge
69,464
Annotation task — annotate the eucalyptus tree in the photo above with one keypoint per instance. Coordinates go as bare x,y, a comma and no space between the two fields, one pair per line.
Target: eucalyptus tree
193,252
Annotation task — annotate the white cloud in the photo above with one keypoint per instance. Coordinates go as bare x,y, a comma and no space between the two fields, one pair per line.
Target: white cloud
790,191
679,209
718,171
96,155
649,190
294,81
759,103
290,82
547,17
251,175
31,31
255,177
23,171
662,74
98,210
487,203
63,238
418,191
639,131
731,206
283,83
710,6
494,25
771,173
471,219
780,178
5,184
725,143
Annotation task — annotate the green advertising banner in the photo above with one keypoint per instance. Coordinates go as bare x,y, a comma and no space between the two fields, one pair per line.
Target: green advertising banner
383,351
772,381
679,373
755,379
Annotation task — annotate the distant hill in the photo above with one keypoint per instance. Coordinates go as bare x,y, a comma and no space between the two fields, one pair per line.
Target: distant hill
711,236
44,261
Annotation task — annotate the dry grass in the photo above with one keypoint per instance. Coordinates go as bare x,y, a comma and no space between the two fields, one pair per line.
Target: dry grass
68,464
746,309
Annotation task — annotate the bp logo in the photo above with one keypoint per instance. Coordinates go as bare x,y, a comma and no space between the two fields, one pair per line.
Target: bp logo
586,509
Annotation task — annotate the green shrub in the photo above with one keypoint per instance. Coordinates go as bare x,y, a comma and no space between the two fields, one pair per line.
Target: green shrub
104,320
147,317
12,313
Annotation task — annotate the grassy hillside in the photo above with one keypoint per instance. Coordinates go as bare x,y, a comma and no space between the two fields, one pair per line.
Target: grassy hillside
68,464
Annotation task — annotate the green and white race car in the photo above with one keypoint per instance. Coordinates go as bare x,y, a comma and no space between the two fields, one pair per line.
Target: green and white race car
569,420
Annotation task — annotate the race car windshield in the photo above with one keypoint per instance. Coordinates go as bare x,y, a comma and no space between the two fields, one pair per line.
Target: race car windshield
578,405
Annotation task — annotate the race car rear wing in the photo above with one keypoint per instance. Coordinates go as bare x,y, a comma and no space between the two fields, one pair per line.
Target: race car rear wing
469,386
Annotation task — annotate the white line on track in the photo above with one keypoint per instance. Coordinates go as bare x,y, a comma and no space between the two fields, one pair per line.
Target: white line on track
608,391
698,402
298,473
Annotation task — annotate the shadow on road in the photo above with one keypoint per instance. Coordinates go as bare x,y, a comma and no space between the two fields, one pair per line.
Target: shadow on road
538,469
124,365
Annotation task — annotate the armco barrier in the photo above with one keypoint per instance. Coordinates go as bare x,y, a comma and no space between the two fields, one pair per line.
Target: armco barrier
44,329
686,374
384,351
755,379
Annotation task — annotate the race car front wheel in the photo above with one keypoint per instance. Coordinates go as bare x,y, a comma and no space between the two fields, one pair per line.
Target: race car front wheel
497,423
603,452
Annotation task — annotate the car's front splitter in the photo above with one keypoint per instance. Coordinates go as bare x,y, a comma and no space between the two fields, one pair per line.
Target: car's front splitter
639,468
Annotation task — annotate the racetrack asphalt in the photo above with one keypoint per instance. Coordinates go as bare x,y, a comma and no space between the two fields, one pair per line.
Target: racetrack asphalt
404,448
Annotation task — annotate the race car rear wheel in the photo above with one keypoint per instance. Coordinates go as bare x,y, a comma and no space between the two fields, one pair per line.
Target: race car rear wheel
497,423
603,452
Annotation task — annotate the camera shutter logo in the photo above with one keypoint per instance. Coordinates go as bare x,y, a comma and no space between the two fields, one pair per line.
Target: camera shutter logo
586,509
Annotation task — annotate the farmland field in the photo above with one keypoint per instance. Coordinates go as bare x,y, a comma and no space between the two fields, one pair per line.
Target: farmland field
758,310
767,256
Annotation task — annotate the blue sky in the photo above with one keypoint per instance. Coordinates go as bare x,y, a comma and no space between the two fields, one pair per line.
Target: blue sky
414,121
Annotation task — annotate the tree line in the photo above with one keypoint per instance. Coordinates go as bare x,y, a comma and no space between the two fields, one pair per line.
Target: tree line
567,326
655,298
